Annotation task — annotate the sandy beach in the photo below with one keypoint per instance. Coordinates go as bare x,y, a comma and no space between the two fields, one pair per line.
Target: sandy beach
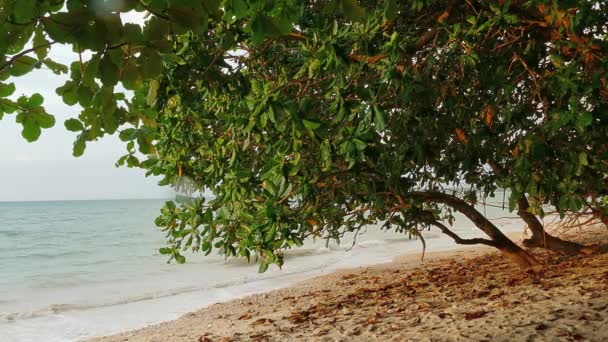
463,295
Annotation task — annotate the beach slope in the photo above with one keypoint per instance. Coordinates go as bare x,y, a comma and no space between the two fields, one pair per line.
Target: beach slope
463,295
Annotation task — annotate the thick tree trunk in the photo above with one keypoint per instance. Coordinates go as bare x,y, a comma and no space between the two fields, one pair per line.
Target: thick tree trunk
499,240
542,239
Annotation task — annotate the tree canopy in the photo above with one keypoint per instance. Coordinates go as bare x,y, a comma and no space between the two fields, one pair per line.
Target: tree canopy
316,118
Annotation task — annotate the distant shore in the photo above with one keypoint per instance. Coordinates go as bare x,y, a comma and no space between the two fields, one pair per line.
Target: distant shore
469,294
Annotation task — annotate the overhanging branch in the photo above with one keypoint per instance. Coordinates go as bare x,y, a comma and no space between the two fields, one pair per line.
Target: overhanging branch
469,211
23,53
476,241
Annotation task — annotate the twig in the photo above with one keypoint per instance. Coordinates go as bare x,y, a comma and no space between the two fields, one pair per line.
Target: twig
147,8
23,53
460,240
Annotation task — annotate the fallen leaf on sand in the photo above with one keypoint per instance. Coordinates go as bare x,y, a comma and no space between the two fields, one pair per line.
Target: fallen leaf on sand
322,332
244,316
474,315
260,336
262,321
297,318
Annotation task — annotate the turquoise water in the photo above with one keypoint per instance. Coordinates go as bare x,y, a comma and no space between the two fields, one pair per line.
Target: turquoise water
76,269
56,244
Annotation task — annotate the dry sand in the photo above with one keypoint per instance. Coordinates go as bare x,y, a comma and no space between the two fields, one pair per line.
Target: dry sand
463,295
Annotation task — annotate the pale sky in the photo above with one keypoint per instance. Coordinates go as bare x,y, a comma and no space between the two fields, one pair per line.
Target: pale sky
46,169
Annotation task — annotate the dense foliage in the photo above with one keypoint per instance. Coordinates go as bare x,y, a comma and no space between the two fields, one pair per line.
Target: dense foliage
316,118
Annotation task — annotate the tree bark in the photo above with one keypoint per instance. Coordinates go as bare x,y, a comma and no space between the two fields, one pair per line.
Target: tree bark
500,241
445,230
542,239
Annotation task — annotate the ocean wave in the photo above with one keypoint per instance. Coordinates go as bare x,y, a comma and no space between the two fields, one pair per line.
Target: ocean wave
348,245
371,243
380,242
60,308
306,251
10,233
48,255
303,252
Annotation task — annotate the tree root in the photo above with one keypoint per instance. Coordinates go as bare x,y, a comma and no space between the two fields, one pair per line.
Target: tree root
524,259
553,243
541,239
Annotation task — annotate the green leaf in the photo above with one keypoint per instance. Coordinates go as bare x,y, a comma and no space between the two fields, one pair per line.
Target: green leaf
7,90
379,118
263,267
23,65
151,64
56,68
74,125
237,7
25,10
79,145
130,76
352,9
258,30
45,120
35,100
152,92
511,18
190,14
88,71
128,134
582,159
326,155
108,71
31,131
391,10
133,33
85,96
263,119
41,42
311,125
180,259
155,32
33,121
262,26
113,28
165,251
69,93
584,120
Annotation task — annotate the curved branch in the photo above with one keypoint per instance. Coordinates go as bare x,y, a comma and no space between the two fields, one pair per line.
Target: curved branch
542,239
445,230
12,104
23,53
502,242
467,209
147,8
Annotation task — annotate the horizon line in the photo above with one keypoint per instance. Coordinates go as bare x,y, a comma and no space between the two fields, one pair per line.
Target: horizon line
88,199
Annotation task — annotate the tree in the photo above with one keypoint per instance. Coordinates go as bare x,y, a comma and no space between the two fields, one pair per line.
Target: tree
316,118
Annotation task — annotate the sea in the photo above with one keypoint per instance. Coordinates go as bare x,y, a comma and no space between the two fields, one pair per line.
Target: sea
71,270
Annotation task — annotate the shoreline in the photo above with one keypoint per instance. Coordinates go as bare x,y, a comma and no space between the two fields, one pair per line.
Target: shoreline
466,294
107,308
407,261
